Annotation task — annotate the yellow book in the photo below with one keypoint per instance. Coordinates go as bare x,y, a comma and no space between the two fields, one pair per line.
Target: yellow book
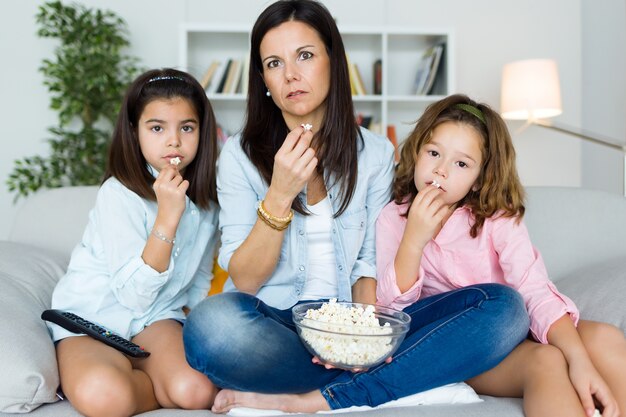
351,74
206,79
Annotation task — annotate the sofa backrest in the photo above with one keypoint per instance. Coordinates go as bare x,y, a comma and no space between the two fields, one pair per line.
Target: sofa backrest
571,227
54,218
575,227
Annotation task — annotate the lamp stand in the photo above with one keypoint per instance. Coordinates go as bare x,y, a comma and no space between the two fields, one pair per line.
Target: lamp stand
608,142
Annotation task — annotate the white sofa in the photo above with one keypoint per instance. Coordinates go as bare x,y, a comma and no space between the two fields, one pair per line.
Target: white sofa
581,234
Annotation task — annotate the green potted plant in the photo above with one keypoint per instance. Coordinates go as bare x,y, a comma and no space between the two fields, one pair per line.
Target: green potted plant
87,81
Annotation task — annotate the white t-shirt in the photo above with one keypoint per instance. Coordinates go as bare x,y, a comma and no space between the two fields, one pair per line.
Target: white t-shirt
321,281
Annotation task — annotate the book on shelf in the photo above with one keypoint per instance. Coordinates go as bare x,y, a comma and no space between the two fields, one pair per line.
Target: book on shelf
378,76
234,72
435,68
243,83
376,127
215,80
220,86
359,80
428,68
391,134
234,87
364,120
208,75
356,83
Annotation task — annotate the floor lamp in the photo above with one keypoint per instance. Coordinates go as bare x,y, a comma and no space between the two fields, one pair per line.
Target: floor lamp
531,91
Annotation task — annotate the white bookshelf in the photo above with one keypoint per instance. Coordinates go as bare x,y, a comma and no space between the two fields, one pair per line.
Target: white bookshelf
400,50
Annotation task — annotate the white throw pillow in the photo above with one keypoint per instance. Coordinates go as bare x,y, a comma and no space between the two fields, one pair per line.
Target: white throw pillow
28,367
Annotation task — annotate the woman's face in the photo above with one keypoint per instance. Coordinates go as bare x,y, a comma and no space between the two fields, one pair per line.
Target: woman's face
296,70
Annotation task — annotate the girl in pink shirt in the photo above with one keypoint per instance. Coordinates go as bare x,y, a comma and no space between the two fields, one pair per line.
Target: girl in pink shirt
456,220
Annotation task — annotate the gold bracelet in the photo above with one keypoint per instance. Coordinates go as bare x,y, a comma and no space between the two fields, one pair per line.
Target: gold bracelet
162,237
268,216
269,222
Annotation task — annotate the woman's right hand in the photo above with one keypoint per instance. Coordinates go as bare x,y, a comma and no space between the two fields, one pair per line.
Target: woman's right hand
170,189
294,164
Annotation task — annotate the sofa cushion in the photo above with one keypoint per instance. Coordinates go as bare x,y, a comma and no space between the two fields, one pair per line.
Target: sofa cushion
28,368
598,291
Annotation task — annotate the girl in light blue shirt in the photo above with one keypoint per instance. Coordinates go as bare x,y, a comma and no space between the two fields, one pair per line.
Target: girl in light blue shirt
145,255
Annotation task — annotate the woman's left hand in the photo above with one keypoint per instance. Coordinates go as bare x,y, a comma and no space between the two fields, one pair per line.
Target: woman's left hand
317,361
590,386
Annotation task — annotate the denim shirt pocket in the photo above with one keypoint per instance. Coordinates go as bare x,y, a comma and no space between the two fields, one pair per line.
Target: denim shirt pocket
353,227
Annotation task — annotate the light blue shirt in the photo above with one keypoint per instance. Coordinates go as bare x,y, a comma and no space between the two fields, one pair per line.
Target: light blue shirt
240,187
107,281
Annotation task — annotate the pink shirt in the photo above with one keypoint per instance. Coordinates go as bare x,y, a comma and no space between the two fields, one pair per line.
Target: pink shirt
501,253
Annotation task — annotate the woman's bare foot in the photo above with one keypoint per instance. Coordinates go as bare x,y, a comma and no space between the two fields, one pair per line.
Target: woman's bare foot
310,402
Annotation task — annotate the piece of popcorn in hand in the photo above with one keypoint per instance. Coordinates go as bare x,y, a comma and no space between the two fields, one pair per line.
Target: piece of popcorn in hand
307,126
175,161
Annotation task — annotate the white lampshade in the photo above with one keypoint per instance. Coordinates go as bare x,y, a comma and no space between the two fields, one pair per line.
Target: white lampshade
530,90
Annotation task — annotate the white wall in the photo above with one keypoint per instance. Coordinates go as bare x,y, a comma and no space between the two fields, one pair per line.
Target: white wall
488,35
604,91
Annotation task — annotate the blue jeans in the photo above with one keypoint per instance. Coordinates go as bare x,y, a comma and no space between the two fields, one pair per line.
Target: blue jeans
241,343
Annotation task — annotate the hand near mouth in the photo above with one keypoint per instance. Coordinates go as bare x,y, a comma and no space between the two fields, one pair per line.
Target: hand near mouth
426,214
294,164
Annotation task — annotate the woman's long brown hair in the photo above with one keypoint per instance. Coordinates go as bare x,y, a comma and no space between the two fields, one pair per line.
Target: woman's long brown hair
265,128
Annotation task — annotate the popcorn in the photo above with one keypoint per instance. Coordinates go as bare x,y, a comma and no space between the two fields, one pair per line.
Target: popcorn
175,161
342,345
436,184
307,126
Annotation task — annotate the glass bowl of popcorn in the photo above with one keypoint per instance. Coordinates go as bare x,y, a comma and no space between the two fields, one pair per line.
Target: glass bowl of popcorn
350,335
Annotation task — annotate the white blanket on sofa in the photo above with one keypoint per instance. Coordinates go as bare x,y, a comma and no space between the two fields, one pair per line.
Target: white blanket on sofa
459,393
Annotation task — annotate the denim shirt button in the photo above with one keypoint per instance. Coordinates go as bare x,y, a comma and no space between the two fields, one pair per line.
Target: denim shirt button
301,232
341,267
194,211
301,268
334,230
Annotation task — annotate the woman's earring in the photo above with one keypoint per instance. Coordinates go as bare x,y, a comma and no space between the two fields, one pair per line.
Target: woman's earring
267,93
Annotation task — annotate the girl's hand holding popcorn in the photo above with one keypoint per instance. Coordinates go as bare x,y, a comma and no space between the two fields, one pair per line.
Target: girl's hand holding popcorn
170,189
426,214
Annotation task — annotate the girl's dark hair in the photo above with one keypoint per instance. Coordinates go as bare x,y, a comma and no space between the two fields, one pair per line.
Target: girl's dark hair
127,163
500,190
265,128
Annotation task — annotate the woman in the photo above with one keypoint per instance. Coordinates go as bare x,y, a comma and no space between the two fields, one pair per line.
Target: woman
300,190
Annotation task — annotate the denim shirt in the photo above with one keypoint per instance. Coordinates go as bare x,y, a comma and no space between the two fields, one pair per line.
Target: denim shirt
108,282
240,187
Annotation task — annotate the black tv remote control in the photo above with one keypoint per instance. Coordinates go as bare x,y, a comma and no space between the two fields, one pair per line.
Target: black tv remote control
76,324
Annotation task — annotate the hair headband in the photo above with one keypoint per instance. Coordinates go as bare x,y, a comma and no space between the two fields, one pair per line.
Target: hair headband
473,110
165,77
